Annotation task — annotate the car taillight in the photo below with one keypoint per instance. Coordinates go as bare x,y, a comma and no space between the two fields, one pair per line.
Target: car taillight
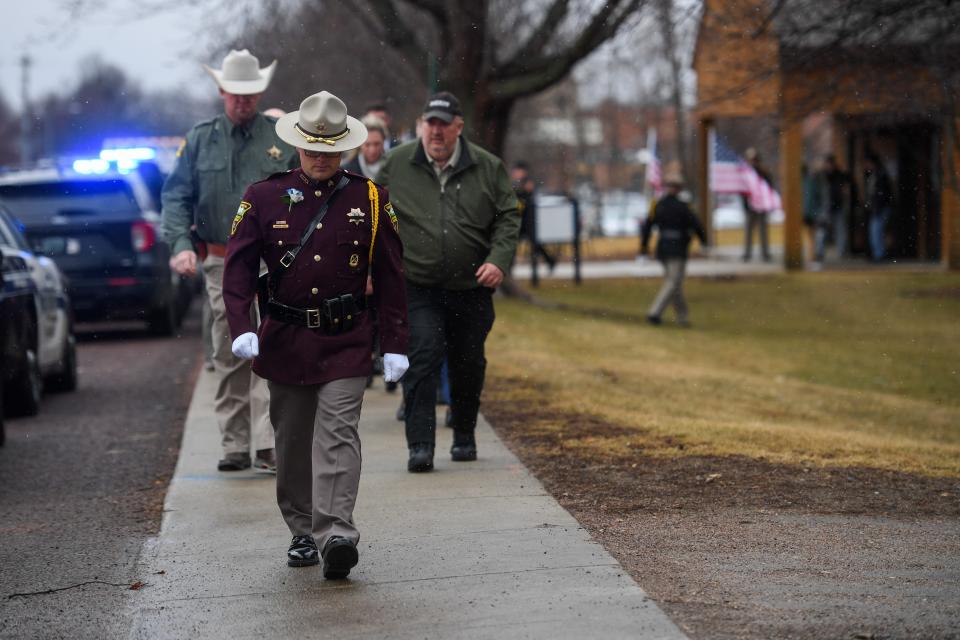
143,235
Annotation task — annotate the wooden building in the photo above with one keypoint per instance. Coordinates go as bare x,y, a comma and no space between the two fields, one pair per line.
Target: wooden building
878,89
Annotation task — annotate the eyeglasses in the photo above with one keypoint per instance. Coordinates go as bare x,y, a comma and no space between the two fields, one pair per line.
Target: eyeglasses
320,154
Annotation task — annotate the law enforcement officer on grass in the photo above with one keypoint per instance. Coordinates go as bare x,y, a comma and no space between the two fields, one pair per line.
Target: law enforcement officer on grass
220,157
676,224
320,230
459,224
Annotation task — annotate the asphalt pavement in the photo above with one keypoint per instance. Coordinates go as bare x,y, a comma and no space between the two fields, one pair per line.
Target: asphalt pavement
472,550
82,483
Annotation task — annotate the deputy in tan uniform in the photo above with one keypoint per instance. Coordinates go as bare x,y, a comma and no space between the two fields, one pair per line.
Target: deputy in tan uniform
320,230
219,159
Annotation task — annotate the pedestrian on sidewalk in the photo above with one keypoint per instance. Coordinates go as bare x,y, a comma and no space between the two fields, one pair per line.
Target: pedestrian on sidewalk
459,225
675,223
217,161
319,230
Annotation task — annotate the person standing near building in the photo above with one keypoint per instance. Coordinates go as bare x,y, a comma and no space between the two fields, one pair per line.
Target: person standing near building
459,225
837,198
675,223
878,199
217,161
320,231
756,219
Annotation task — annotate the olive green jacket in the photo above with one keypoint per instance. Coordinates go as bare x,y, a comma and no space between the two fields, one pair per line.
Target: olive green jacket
215,165
448,232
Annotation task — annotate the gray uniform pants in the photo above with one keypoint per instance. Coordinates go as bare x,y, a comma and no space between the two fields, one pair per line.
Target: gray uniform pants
672,289
318,456
242,400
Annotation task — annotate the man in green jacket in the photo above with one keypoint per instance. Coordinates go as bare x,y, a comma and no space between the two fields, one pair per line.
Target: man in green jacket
459,223
218,160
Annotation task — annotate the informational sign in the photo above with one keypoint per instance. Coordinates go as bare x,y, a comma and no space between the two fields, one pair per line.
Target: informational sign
556,219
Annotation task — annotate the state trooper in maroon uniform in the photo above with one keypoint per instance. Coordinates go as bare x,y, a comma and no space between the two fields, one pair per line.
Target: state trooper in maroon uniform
320,230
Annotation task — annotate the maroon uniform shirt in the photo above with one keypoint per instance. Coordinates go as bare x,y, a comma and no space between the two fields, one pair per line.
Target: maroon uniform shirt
333,262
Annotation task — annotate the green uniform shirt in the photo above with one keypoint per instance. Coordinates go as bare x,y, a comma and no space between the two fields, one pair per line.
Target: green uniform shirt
217,163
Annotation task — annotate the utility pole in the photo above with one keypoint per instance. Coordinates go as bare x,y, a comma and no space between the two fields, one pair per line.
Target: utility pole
26,152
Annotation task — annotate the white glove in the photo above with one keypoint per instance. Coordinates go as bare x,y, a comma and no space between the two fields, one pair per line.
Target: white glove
246,346
394,366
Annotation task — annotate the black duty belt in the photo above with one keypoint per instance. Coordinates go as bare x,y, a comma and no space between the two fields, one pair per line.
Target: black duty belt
334,316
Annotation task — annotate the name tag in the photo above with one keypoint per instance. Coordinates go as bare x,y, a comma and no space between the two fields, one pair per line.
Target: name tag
281,224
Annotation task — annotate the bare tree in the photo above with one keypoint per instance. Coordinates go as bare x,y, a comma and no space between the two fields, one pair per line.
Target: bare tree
492,53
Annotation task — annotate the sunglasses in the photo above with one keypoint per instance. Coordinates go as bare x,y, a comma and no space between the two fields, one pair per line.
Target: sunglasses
321,154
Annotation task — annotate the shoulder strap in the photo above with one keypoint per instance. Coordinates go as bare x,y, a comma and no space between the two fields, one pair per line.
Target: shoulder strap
375,213
291,254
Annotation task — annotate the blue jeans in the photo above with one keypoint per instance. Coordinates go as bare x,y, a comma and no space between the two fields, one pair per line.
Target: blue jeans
877,233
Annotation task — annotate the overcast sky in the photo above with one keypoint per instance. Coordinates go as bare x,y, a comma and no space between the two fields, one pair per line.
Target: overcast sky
162,49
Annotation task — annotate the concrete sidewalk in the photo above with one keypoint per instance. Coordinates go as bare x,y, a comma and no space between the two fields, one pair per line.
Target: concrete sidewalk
718,262
472,550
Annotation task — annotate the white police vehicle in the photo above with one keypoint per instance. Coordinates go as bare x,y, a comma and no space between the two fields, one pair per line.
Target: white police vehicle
36,325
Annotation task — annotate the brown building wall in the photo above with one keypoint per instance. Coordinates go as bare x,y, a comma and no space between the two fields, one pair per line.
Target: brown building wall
737,72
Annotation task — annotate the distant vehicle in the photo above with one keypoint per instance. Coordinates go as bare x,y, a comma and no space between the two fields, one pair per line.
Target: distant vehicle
36,325
102,229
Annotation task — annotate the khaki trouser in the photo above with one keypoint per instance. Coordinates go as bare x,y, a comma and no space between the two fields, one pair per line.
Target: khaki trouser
672,290
242,400
318,456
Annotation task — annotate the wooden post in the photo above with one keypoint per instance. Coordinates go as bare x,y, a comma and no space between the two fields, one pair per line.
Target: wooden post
791,157
703,177
949,200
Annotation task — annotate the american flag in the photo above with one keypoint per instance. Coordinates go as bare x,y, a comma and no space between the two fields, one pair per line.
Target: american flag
729,173
654,170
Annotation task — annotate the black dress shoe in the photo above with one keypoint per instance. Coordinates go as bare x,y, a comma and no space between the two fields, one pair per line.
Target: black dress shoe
302,552
339,556
421,458
236,461
464,447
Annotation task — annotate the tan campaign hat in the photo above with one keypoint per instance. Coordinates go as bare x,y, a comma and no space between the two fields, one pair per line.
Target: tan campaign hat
241,74
322,124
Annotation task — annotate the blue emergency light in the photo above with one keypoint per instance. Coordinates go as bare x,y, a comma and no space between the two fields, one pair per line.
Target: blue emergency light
124,160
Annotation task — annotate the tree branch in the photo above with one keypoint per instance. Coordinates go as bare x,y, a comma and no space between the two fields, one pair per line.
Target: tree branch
535,44
436,8
546,70
397,33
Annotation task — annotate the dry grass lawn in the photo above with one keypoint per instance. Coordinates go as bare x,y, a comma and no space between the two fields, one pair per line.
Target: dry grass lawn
830,369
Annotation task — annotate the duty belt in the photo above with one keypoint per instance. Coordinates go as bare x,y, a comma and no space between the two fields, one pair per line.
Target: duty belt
334,316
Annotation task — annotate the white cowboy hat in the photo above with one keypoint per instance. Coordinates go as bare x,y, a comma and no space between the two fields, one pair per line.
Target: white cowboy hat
241,74
322,124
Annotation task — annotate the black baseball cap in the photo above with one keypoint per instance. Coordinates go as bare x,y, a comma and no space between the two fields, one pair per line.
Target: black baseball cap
443,105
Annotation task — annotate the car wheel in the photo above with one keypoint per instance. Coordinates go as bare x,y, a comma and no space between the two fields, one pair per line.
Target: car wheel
66,378
22,396
163,321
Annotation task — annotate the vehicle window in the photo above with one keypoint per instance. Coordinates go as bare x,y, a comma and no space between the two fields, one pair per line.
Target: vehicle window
39,203
9,233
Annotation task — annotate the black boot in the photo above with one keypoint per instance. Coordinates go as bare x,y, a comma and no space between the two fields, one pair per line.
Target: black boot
339,556
464,447
421,457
